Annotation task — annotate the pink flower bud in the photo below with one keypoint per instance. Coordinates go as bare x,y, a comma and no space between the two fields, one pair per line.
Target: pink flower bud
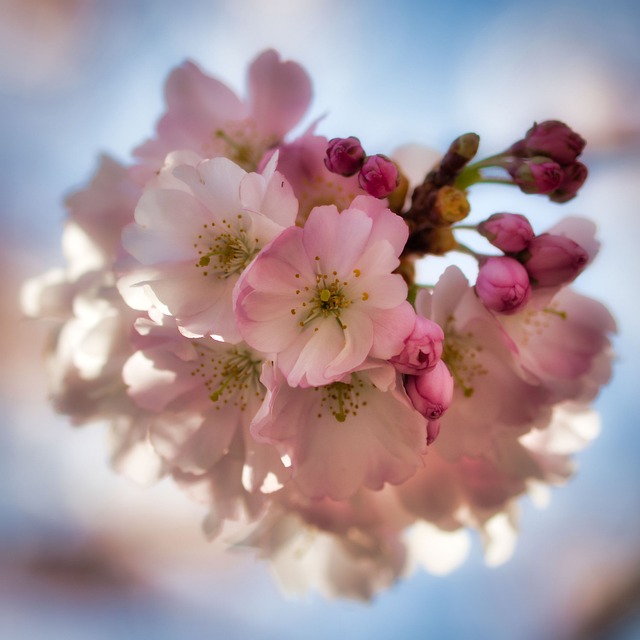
510,232
378,176
431,393
536,175
554,260
344,156
555,140
574,176
503,284
422,349
433,430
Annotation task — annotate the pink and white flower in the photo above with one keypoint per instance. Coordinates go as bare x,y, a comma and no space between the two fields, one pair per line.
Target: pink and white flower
360,431
324,299
196,229
492,393
205,116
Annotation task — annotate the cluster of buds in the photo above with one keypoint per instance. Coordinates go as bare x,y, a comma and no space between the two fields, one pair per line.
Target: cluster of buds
428,382
547,260
544,162
377,174
438,203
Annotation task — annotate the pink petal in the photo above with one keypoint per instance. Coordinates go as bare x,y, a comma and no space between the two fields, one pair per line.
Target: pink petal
279,94
337,238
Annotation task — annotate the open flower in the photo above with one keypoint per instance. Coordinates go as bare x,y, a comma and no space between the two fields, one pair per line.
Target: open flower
197,228
323,299
205,116
361,431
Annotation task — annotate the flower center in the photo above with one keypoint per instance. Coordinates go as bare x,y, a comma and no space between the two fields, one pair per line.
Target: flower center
534,323
461,355
241,142
230,375
225,251
341,399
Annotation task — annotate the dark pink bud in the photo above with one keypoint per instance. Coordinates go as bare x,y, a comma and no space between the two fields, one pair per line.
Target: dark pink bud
510,232
503,284
574,176
432,392
422,349
378,176
344,156
536,175
555,140
554,260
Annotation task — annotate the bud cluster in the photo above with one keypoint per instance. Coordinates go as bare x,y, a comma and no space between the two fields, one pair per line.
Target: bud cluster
429,383
547,260
545,161
377,174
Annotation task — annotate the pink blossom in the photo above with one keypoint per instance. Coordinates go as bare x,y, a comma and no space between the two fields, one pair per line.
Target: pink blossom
205,116
537,175
104,207
431,393
355,565
361,431
324,298
565,345
555,140
223,488
493,395
197,228
503,284
575,175
553,260
90,343
379,176
301,161
204,389
422,349
344,156
509,232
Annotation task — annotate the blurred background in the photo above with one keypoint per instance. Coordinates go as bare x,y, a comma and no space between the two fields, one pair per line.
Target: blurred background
85,553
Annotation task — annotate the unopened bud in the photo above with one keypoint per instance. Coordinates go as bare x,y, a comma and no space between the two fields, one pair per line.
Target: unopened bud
574,176
344,156
555,140
553,260
378,176
432,392
466,145
450,205
503,284
509,232
536,175
460,152
422,349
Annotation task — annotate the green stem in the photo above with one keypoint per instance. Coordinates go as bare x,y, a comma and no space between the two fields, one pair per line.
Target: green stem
462,248
495,181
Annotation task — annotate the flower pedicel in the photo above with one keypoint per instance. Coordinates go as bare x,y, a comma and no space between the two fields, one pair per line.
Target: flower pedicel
241,307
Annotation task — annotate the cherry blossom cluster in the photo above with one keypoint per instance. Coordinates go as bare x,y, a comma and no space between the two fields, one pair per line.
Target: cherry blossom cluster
241,306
